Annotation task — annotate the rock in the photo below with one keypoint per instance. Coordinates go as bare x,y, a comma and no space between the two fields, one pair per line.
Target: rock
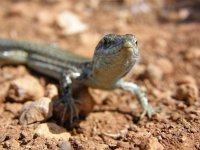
139,70
26,136
153,144
45,17
47,31
9,73
184,13
1,112
98,95
25,88
176,15
52,1
153,72
183,138
11,144
13,107
70,23
187,92
39,110
186,79
161,42
51,91
4,90
18,9
65,145
83,101
193,53
197,146
143,134
103,146
165,65
142,7
52,131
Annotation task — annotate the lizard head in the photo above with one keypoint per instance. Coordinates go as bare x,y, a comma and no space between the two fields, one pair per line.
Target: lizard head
112,43
114,56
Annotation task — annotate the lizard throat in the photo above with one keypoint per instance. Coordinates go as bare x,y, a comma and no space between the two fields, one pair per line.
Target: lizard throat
108,70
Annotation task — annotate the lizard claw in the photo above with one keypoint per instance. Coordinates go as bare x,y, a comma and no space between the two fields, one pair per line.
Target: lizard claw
149,111
68,105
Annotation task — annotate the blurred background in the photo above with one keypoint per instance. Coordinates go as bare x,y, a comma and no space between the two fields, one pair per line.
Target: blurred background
165,29
84,22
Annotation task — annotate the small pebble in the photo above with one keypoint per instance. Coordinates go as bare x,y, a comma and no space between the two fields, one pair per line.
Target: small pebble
25,88
51,91
13,107
37,111
186,79
45,17
153,72
4,88
161,42
139,70
187,93
70,23
153,144
11,144
192,53
18,9
52,131
65,145
183,138
165,65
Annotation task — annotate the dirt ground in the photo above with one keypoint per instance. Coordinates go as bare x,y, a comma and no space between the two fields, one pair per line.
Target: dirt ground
169,72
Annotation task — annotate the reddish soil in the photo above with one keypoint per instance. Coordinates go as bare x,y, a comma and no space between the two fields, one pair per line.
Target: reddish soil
169,71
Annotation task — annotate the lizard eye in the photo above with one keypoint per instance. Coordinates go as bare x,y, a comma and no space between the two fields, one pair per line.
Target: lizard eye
106,42
136,43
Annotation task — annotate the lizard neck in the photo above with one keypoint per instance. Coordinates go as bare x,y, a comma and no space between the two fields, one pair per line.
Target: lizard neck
107,71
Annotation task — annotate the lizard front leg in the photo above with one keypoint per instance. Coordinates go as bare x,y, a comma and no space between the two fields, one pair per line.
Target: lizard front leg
135,89
66,95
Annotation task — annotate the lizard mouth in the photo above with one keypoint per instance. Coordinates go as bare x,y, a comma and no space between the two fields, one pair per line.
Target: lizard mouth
128,45
131,50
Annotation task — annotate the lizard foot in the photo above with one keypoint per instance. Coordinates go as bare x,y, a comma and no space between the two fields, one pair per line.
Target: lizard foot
69,104
149,111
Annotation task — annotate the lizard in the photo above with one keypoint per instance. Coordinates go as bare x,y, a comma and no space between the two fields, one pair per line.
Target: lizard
113,58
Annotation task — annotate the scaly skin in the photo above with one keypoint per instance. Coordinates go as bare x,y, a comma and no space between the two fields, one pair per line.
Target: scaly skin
113,58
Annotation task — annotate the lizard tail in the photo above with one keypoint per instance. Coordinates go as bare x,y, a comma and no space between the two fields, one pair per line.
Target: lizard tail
11,52
13,56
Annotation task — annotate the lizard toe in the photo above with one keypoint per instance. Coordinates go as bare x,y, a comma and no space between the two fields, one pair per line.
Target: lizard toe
149,111
69,107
